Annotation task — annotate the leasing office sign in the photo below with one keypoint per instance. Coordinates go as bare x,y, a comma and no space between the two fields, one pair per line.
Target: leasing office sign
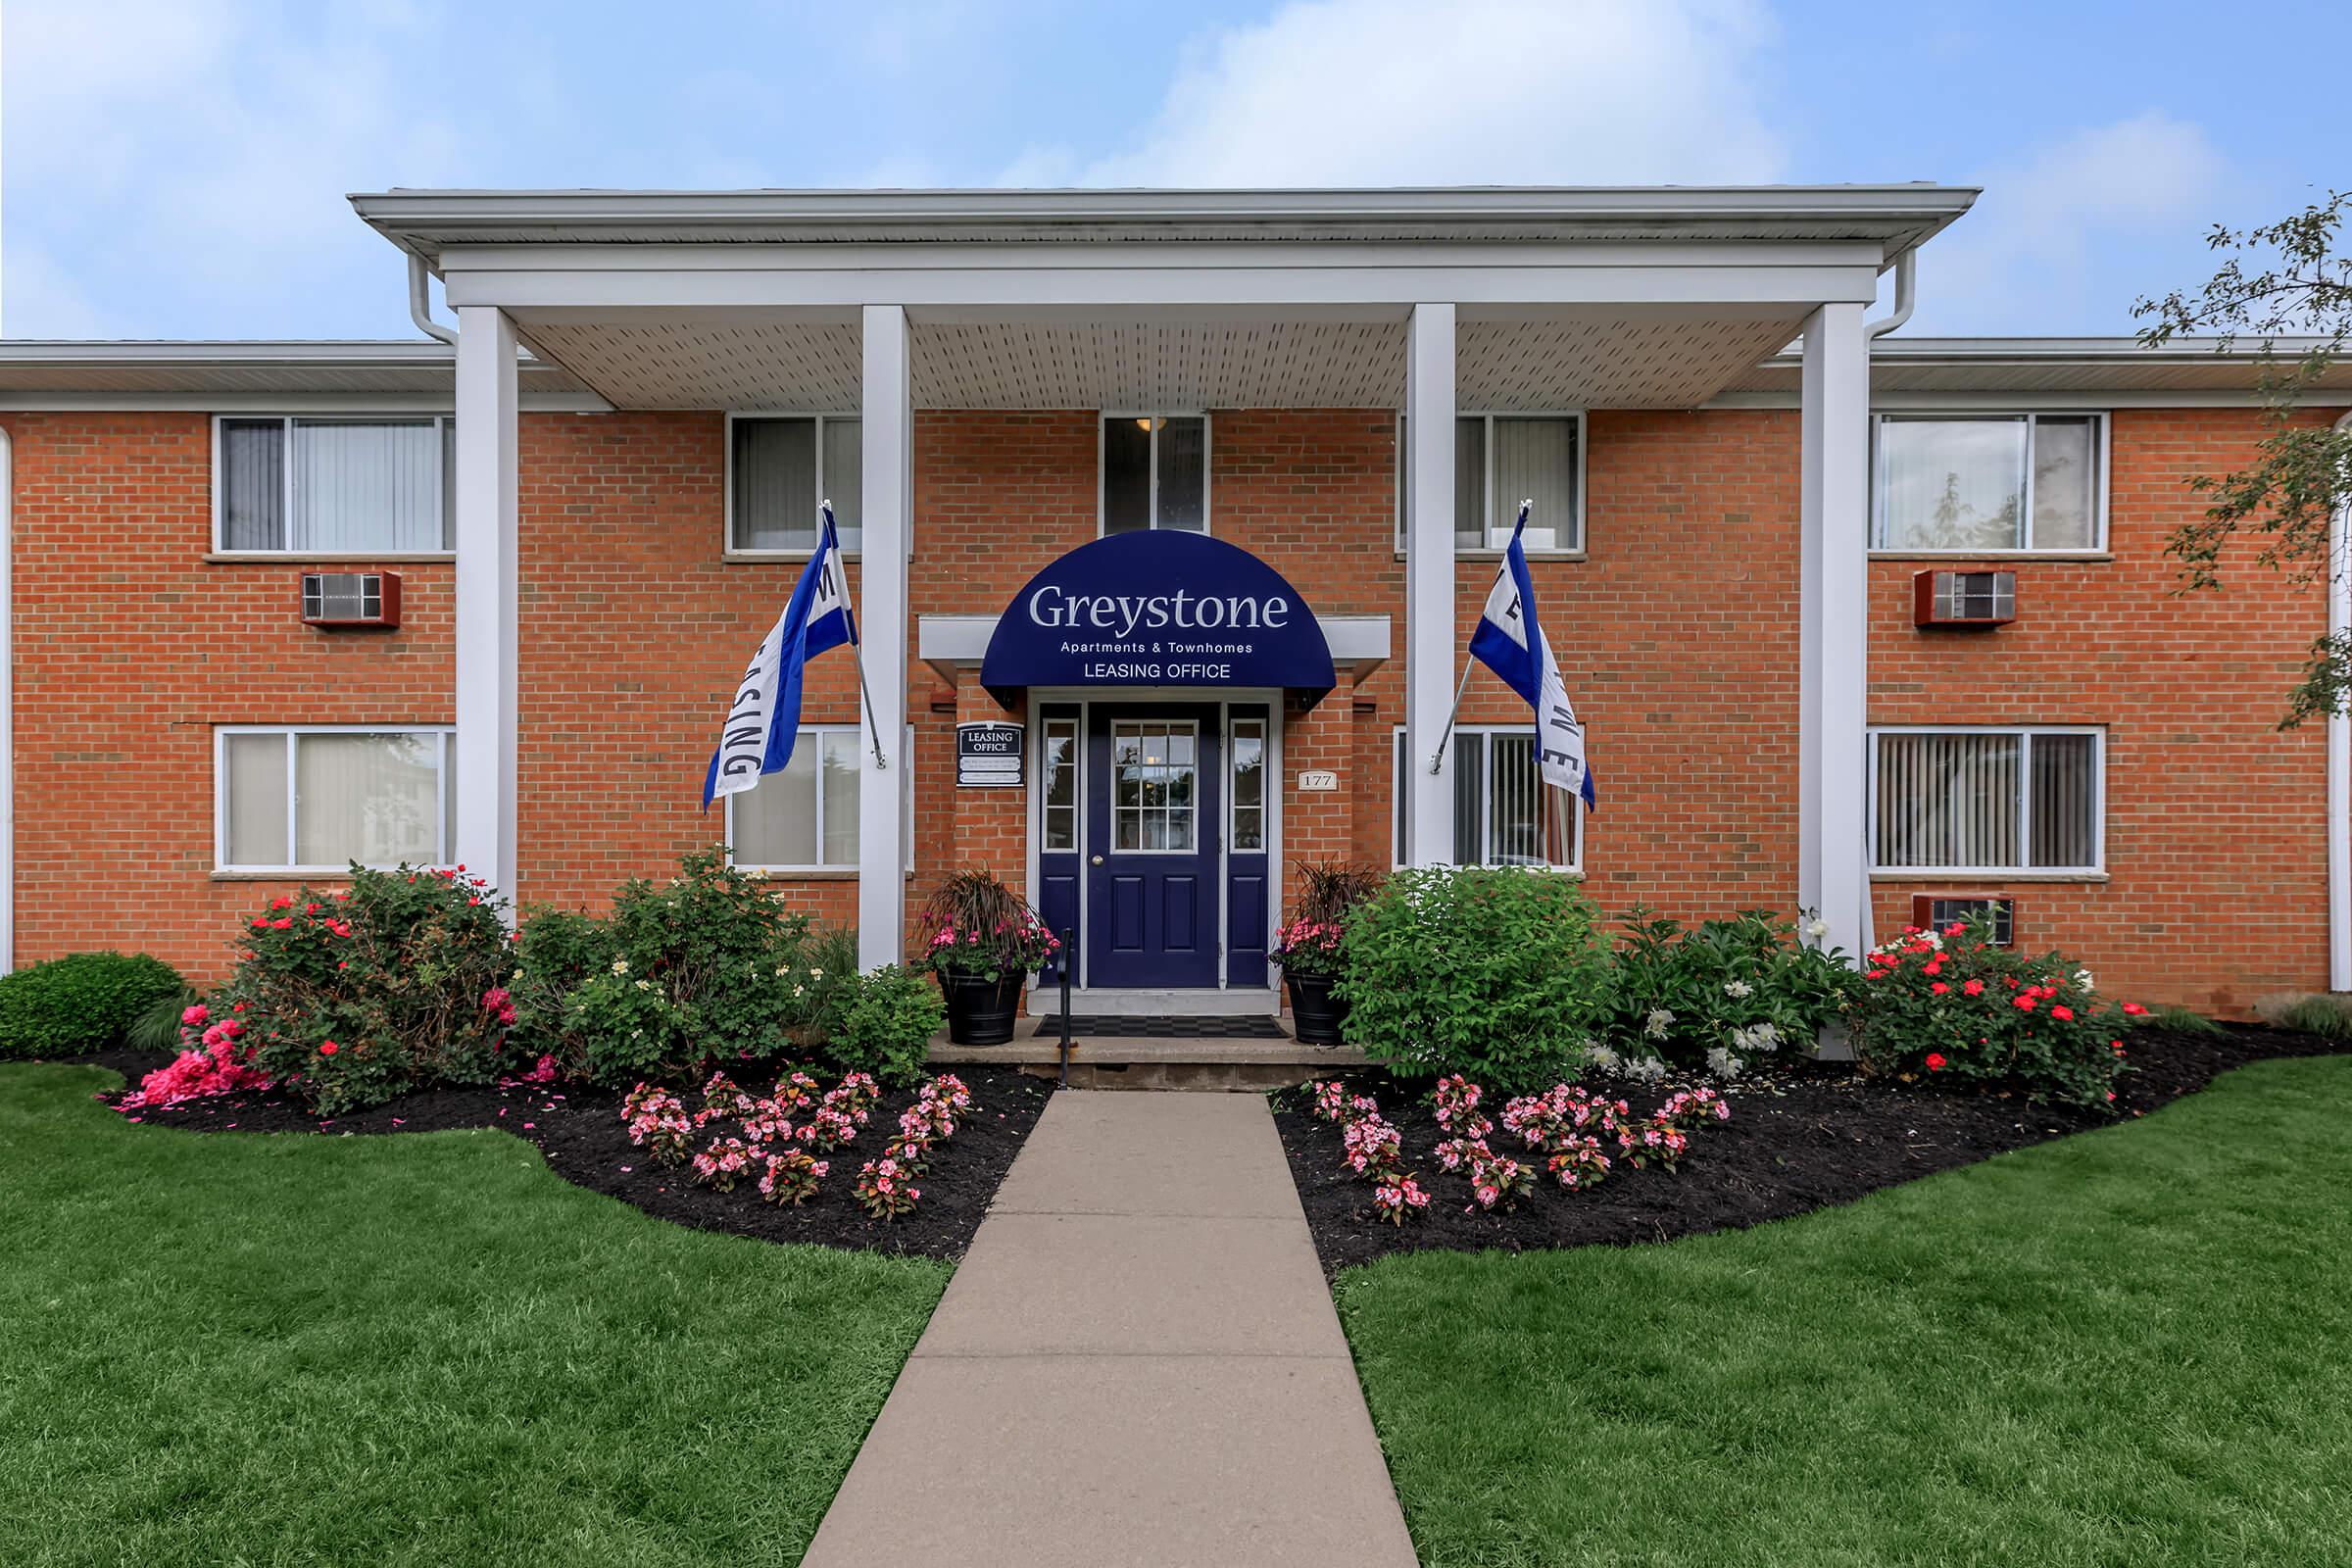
1157,608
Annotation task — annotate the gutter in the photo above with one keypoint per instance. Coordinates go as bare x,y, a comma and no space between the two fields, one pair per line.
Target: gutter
2340,754
1907,297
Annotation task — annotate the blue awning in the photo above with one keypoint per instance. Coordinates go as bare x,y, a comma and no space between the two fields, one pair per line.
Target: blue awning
1158,608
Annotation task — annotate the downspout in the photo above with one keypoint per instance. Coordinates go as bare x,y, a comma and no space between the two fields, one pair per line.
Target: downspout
1907,297
2339,755
1906,294
420,303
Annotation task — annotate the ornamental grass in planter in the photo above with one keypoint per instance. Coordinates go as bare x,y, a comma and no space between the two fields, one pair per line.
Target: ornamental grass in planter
1310,946
985,941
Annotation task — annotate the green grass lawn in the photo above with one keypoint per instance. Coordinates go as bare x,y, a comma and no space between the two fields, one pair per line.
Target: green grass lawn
404,1350
2132,1347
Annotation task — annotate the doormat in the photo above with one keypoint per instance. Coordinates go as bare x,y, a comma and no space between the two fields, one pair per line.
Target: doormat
1106,1027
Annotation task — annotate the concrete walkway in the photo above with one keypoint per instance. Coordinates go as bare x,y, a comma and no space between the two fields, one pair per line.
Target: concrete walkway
1137,1363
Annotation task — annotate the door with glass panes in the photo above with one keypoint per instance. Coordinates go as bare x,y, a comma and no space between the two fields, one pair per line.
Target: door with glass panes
1153,825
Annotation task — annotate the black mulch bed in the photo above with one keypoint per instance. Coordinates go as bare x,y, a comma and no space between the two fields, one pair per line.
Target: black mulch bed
579,1131
1805,1135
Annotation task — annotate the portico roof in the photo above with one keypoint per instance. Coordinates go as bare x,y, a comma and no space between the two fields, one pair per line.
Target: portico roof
1896,217
1635,296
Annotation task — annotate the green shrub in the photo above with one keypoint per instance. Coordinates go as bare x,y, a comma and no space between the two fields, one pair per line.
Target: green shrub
2319,1014
82,1001
2186,1021
1720,994
350,998
1950,1003
1495,973
826,970
886,1021
705,965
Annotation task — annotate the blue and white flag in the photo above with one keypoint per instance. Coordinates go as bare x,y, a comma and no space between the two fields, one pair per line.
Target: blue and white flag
764,719
1509,640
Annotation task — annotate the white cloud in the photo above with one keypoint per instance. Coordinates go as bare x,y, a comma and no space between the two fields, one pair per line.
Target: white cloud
2056,230
1390,92
190,148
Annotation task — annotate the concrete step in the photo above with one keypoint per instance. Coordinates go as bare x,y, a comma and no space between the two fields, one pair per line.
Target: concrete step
1230,1067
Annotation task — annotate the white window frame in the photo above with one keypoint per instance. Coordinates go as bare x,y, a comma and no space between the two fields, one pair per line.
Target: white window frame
444,424
1234,726
1398,761
1209,466
2101,427
905,829
222,865
1493,523
2024,811
729,550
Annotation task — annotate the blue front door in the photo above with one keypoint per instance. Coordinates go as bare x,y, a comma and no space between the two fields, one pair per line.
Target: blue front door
1153,816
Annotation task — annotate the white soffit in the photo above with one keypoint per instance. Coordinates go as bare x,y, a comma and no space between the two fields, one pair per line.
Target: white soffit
1559,360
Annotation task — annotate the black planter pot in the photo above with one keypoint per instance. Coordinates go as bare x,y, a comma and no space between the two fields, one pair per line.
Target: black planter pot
980,1011
1316,1015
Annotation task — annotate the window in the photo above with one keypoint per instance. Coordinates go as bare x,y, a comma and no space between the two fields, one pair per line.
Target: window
1937,911
317,799
1248,835
1972,485
1152,763
313,487
1503,813
778,469
1155,472
1058,784
806,817
1500,459
1988,800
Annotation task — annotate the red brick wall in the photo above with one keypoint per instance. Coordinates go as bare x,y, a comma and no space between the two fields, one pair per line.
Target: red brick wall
1677,637
2216,822
129,647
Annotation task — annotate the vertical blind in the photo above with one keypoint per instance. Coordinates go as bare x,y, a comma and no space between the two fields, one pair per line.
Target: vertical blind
378,798
335,486
1535,458
1503,813
1962,799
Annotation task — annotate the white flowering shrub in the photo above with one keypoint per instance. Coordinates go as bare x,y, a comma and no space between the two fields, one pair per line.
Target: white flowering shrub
1718,995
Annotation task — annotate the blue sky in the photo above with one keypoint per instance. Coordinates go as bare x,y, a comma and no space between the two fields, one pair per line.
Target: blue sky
177,167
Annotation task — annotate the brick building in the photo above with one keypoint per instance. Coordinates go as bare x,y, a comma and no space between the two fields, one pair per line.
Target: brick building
586,506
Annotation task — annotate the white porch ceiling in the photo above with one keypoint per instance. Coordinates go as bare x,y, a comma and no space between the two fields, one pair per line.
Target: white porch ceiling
1629,358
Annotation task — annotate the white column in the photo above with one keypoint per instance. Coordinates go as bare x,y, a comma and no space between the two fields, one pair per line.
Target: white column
1832,815
1429,628
888,518
483,833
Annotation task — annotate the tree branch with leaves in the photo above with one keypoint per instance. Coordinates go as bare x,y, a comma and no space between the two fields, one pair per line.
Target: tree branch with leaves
2288,286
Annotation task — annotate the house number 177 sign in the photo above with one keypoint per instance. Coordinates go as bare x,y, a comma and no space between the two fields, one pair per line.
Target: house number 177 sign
989,756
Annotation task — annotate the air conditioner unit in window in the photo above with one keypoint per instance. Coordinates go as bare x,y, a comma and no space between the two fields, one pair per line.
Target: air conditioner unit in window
351,599
1933,911
1964,597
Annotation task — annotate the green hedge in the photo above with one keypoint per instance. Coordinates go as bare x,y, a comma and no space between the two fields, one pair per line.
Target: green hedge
82,1001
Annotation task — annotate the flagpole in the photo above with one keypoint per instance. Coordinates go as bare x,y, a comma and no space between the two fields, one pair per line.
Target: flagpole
865,697
1436,758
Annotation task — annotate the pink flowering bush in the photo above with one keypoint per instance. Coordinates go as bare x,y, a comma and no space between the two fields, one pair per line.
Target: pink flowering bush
351,997
1949,1003
1561,1113
1399,1199
912,1150
792,1177
885,1189
1372,1148
657,1123
1686,1108
1498,1181
980,927
1653,1142
725,1162
215,1059
1577,1162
